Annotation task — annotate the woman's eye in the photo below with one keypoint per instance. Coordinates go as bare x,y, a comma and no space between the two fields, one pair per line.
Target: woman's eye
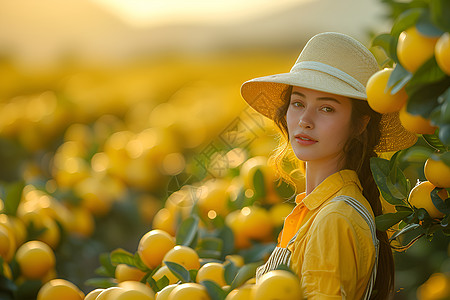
327,109
297,104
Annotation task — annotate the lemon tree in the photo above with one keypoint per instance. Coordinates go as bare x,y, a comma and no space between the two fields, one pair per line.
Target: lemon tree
415,52
419,61
414,181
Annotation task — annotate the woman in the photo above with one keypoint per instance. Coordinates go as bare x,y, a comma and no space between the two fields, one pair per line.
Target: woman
320,106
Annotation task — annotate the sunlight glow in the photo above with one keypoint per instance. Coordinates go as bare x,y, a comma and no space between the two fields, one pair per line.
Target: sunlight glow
160,12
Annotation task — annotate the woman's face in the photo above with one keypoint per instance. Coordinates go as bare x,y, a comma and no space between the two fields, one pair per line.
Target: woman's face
318,125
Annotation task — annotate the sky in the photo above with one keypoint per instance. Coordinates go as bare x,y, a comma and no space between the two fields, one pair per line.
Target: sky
40,32
158,12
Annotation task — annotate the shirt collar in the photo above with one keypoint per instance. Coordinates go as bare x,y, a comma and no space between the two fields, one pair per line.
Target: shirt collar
327,188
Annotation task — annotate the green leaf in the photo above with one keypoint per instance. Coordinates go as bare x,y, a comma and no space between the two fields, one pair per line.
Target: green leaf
215,292
416,154
428,73
434,141
284,190
445,158
442,205
444,99
161,283
230,271
121,256
257,252
153,284
444,135
205,253
227,236
245,273
404,230
423,98
386,221
105,262
259,184
444,222
397,183
403,208
218,221
398,79
28,289
187,231
193,274
138,263
385,41
380,171
102,272
440,13
210,243
422,214
210,247
178,270
406,20
102,283
7,286
12,197
427,28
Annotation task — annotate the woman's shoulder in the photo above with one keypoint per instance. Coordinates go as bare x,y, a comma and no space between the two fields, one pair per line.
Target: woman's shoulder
344,212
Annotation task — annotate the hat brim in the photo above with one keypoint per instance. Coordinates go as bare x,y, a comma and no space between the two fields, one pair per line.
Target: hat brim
264,94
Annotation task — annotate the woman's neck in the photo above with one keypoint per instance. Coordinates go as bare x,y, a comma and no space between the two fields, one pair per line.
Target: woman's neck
318,171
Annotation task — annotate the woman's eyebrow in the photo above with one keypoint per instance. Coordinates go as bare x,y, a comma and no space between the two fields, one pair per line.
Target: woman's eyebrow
320,98
298,94
329,99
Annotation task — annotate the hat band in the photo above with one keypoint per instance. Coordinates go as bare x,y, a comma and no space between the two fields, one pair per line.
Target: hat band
321,67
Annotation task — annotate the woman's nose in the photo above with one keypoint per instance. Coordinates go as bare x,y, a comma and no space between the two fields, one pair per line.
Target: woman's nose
305,121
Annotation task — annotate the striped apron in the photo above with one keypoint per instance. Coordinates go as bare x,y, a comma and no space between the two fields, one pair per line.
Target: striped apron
283,255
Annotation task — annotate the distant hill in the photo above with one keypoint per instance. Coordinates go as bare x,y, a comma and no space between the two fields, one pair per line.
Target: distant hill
46,29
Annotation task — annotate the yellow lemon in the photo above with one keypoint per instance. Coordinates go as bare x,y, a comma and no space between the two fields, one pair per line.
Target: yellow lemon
125,272
212,271
134,290
379,98
93,294
189,291
185,256
279,212
437,172
420,197
415,123
7,243
442,53
58,289
414,48
278,284
35,259
153,246
237,259
245,292
108,294
165,220
214,196
165,292
256,222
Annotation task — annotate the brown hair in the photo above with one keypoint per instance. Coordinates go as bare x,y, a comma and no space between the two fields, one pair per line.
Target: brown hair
358,151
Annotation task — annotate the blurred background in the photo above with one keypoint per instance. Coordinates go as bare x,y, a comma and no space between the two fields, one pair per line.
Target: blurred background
109,106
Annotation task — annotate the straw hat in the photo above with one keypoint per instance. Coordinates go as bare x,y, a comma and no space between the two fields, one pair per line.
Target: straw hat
334,63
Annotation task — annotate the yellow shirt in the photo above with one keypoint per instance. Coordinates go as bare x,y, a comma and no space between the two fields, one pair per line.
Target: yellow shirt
333,253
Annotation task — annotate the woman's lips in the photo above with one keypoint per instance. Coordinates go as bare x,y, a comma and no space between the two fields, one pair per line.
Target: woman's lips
304,140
